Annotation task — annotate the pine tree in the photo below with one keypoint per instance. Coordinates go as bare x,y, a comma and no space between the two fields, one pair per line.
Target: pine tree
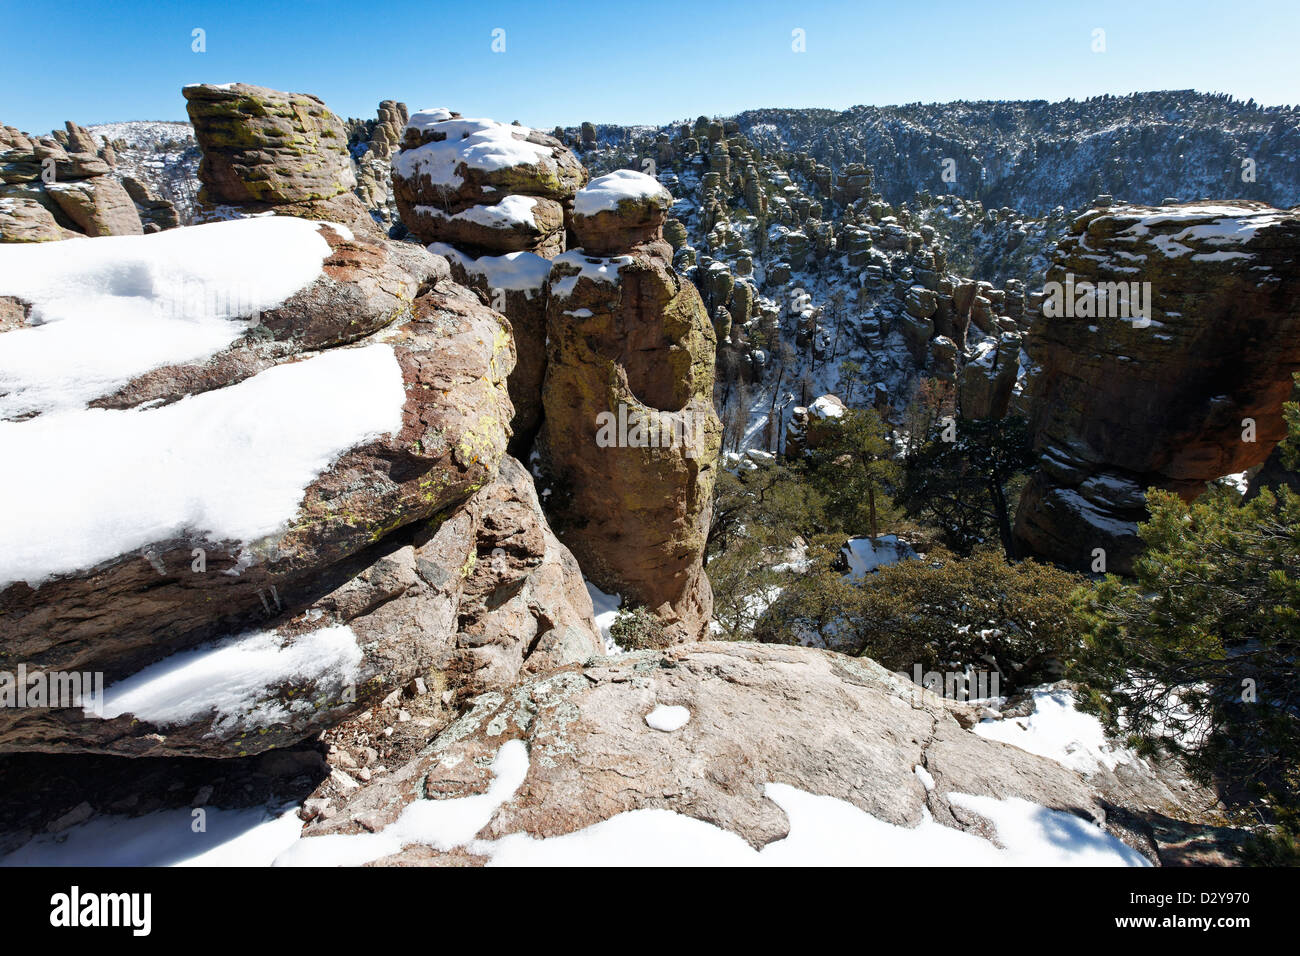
1200,656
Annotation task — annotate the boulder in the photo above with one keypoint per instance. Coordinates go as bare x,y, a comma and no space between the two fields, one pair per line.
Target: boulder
452,163
266,146
26,220
98,207
618,211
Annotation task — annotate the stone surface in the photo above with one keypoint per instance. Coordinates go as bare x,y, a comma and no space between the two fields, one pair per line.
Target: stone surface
824,723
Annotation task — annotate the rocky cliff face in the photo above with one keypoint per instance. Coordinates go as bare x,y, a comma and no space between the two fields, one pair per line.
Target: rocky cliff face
630,434
1180,384
61,186
307,502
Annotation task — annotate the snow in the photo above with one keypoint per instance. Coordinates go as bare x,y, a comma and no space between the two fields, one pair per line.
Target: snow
514,271
442,824
826,407
106,310
512,212
1092,514
231,464
606,607
1239,481
864,557
667,718
924,776
249,837
238,680
1058,730
823,831
593,269
480,144
422,120
605,193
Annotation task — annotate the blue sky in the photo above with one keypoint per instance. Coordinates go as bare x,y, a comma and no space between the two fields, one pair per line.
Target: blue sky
630,62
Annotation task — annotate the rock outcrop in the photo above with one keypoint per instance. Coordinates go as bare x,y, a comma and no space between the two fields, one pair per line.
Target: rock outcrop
630,435
156,214
269,151
987,379
755,715
1162,357
372,144
364,529
60,187
493,198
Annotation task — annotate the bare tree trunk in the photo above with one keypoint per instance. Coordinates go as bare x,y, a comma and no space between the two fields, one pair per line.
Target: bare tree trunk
772,431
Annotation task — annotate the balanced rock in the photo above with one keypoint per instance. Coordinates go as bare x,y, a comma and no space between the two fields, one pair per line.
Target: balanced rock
630,432
618,211
484,186
265,146
493,198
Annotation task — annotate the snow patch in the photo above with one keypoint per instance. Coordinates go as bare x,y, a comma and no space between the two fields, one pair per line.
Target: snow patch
237,680
229,464
667,718
108,309
605,193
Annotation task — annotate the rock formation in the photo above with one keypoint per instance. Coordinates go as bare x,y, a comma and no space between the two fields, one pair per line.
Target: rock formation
630,434
493,198
1161,357
987,379
372,144
755,715
156,214
405,545
59,187
265,150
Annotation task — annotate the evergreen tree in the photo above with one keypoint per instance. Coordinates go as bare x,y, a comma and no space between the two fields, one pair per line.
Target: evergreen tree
855,469
1200,656
964,477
